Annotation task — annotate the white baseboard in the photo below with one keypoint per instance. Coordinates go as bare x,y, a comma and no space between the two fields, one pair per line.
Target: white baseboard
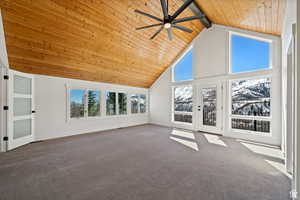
294,194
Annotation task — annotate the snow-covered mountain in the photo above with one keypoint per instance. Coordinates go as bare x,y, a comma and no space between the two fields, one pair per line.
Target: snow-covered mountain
251,97
183,98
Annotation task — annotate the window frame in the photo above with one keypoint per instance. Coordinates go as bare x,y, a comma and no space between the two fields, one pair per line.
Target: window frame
130,104
271,54
250,117
190,48
173,112
118,106
87,103
116,103
102,100
138,104
85,89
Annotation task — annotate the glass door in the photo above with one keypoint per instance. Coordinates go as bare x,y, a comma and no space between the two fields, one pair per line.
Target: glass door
209,108
21,109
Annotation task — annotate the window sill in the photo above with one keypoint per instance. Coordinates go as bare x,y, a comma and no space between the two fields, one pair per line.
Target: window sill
182,123
105,117
250,133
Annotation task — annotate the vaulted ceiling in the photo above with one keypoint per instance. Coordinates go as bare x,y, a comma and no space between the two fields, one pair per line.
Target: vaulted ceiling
96,40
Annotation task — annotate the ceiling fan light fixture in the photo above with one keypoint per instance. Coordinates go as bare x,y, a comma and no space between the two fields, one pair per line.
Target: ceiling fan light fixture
168,22
167,25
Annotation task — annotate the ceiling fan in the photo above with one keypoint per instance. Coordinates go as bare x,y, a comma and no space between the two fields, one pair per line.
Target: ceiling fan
170,21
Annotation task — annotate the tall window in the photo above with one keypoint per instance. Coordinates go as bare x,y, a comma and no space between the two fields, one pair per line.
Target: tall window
134,99
77,102
122,100
251,104
142,103
249,54
183,104
110,103
183,70
93,103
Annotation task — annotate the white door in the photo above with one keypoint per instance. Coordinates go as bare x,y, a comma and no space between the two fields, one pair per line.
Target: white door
21,109
210,108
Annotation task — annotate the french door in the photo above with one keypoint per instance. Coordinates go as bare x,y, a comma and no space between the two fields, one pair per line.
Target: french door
210,100
21,109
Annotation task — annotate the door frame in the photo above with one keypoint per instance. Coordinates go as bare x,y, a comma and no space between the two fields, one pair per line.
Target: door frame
12,144
220,106
3,113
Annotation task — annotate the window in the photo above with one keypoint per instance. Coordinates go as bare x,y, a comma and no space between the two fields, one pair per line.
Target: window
142,103
251,104
110,103
122,100
77,102
209,111
183,104
134,99
183,69
249,54
93,103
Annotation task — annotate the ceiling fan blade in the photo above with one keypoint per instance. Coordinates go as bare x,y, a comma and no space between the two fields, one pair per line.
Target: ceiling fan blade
182,28
185,19
181,9
170,34
149,26
148,15
157,32
164,8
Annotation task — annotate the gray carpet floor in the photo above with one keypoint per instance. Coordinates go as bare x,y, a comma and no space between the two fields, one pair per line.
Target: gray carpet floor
138,163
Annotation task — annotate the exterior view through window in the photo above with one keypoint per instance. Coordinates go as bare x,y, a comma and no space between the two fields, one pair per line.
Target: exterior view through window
122,100
93,103
87,103
134,99
142,103
183,70
183,104
110,103
248,54
77,99
209,97
251,104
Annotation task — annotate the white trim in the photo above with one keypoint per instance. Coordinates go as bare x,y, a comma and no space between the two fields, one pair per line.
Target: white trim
173,112
13,143
234,116
218,128
244,35
3,114
103,95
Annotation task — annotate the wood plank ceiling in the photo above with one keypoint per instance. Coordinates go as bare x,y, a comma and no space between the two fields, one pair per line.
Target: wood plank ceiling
96,40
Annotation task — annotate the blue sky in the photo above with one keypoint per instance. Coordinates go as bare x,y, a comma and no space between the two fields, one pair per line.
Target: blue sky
249,54
183,69
76,96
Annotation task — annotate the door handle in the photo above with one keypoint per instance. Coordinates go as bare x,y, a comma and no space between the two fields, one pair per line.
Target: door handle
33,111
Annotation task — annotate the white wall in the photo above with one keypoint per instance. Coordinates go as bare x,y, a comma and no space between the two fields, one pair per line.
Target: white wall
160,107
51,108
210,53
211,62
